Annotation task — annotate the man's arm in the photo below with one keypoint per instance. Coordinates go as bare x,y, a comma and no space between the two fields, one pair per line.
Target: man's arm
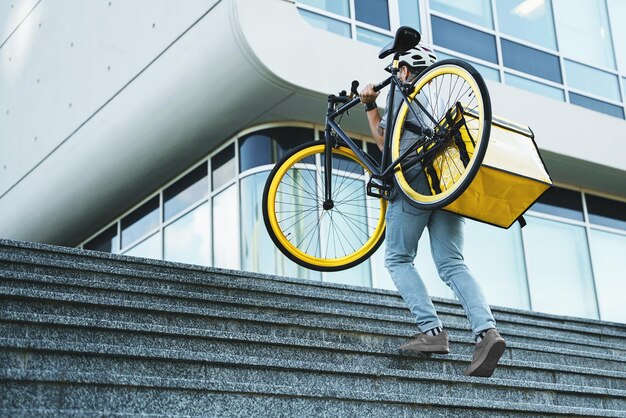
368,95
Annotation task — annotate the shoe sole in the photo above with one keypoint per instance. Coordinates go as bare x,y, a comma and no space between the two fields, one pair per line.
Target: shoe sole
488,365
432,350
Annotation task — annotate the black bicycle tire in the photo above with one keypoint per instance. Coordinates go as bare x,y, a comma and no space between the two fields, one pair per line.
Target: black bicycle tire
480,154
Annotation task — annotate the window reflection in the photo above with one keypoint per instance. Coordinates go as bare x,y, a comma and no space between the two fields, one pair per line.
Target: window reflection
559,271
531,61
463,39
223,167
561,202
374,12
535,87
225,229
326,23
496,258
607,252
141,221
258,252
341,7
530,20
486,72
583,30
372,38
180,195
606,212
475,11
409,13
597,105
148,248
617,14
592,80
267,146
187,240
106,241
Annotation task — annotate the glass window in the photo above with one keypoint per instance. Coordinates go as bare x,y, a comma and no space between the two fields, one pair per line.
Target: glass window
341,7
597,105
269,145
225,229
583,31
559,271
561,202
188,239
148,248
531,61
258,252
374,12
535,87
326,23
496,258
617,14
592,80
372,38
474,11
223,167
530,20
409,13
606,212
106,241
463,39
141,221
486,72
607,252
186,191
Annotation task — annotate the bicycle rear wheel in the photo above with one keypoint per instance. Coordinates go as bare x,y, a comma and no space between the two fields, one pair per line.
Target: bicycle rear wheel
310,235
440,165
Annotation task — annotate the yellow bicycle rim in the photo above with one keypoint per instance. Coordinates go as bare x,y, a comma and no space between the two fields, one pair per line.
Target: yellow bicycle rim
318,261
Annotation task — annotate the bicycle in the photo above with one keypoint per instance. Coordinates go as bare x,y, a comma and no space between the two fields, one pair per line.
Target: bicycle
324,202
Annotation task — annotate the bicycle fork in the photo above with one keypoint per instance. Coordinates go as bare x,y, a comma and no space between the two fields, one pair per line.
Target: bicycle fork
327,163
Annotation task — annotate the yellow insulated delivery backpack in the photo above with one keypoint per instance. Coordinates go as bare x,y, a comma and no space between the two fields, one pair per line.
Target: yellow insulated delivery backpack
510,179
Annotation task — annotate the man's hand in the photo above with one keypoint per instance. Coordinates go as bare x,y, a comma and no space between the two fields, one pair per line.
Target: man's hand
368,95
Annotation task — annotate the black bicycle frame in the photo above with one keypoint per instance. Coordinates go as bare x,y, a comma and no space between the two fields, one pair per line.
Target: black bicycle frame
382,171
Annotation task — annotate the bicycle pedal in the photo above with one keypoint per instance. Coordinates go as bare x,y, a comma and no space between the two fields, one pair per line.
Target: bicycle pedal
377,188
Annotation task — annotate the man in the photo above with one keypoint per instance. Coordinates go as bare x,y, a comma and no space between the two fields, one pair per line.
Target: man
405,225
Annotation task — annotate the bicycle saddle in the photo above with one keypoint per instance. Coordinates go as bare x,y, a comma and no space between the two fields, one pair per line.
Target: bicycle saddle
405,39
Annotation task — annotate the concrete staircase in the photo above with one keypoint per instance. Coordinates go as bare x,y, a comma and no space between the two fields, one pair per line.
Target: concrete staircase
94,334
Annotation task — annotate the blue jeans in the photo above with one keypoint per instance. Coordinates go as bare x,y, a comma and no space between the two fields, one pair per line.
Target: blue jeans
405,225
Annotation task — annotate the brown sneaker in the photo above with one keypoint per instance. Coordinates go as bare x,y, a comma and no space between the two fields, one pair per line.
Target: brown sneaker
486,354
423,343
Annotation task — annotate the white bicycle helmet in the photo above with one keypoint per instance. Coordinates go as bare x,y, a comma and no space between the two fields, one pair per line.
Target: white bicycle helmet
420,56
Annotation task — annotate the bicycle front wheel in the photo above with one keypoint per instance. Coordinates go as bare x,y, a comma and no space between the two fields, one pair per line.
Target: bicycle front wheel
310,234
446,137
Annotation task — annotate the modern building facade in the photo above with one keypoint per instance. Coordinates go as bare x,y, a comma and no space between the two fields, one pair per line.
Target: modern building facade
148,128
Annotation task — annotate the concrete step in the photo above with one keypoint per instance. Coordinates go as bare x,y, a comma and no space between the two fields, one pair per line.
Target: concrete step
228,399
569,339
312,322
34,320
92,334
98,264
123,365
